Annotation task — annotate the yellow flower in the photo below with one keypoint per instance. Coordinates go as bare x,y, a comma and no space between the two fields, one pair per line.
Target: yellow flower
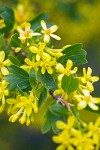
73,138
31,64
40,52
2,23
3,92
88,79
4,63
23,13
23,108
70,123
86,99
47,65
94,131
48,32
83,142
65,71
60,68
25,31
66,136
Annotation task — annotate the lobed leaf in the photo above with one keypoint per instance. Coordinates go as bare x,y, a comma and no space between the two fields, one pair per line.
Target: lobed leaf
69,83
74,53
47,80
43,97
18,78
15,42
8,15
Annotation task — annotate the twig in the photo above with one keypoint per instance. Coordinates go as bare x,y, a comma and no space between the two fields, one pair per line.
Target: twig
60,99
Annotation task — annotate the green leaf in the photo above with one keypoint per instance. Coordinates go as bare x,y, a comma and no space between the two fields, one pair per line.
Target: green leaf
35,23
8,15
75,53
21,58
58,110
50,120
2,42
32,78
49,117
69,83
43,97
18,71
14,60
18,78
15,42
47,80
4,46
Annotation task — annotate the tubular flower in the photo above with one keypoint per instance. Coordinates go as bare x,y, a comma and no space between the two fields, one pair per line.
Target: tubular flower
3,92
23,108
40,52
4,63
86,99
48,32
71,138
54,52
25,32
88,79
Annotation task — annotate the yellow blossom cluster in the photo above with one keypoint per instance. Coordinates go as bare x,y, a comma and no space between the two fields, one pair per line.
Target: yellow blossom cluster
71,137
43,57
82,95
22,108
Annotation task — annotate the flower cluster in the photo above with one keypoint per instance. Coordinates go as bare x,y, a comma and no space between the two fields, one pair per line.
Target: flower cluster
40,61
22,108
70,137
82,95
43,56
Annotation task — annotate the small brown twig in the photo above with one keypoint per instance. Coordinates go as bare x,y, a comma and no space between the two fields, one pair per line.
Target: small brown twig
60,99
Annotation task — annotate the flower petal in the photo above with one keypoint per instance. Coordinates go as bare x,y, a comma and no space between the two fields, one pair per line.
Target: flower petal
89,71
27,61
2,56
33,49
42,46
43,24
35,34
4,71
55,36
60,68
93,106
46,56
38,57
50,70
81,105
53,28
71,121
46,38
60,125
7,62
43,70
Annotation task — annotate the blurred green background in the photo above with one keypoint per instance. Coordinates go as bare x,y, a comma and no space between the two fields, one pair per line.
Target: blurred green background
78,22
